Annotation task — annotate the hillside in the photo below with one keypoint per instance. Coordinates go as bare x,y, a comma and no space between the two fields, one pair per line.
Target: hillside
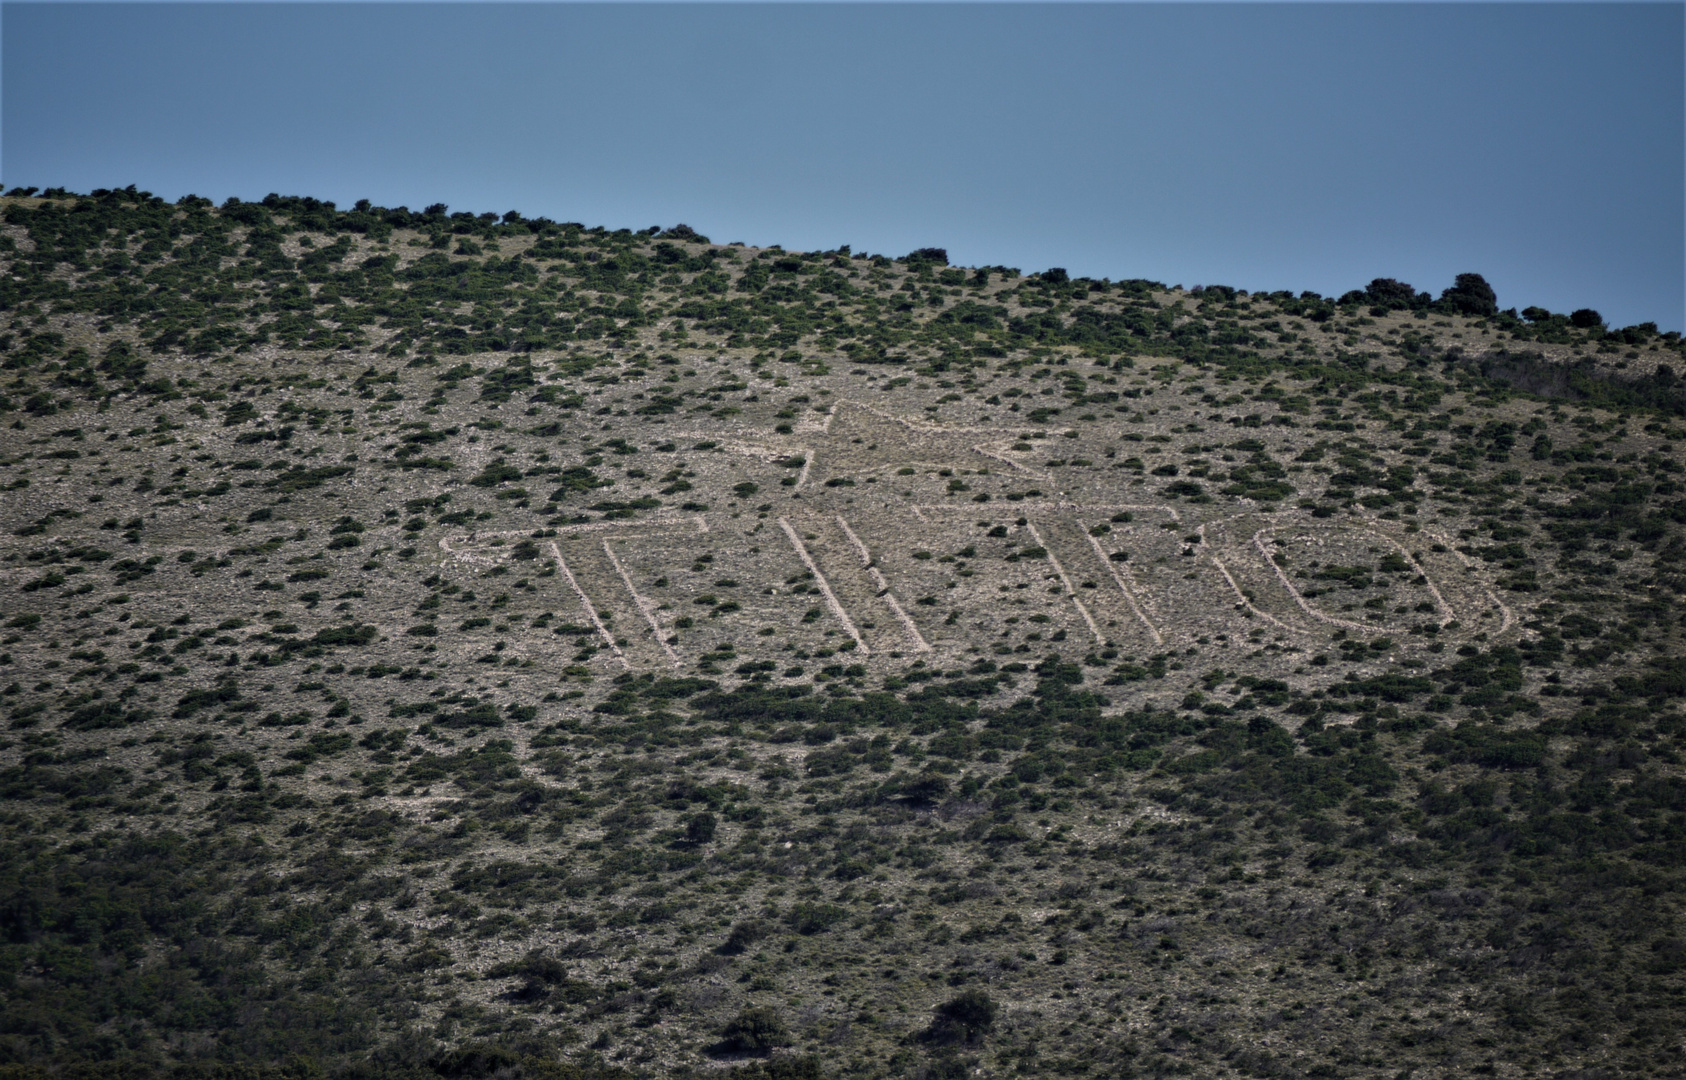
440,645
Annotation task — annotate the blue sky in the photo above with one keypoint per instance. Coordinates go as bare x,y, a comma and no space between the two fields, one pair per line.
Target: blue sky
1263,146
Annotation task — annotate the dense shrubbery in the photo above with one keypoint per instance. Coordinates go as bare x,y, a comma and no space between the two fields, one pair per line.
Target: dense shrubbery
1661,389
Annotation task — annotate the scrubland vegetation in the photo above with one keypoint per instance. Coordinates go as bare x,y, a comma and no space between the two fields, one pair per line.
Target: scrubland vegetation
452,645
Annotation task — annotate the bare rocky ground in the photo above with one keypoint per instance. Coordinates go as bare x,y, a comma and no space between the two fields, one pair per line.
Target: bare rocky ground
1294,697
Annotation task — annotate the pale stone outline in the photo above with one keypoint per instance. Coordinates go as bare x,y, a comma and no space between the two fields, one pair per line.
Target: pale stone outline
1239,595
884,593
1074,507
825,586
924,429
768,452
1066,581
567,573
1112,568
585,602
1248,604
586,527
1448,614
1504,611
645,607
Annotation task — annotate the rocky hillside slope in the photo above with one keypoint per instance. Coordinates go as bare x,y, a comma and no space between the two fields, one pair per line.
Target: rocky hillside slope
445,645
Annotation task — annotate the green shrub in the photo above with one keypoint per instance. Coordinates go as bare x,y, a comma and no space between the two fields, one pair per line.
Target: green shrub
1470,295
809,918
965,1018
755,1030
